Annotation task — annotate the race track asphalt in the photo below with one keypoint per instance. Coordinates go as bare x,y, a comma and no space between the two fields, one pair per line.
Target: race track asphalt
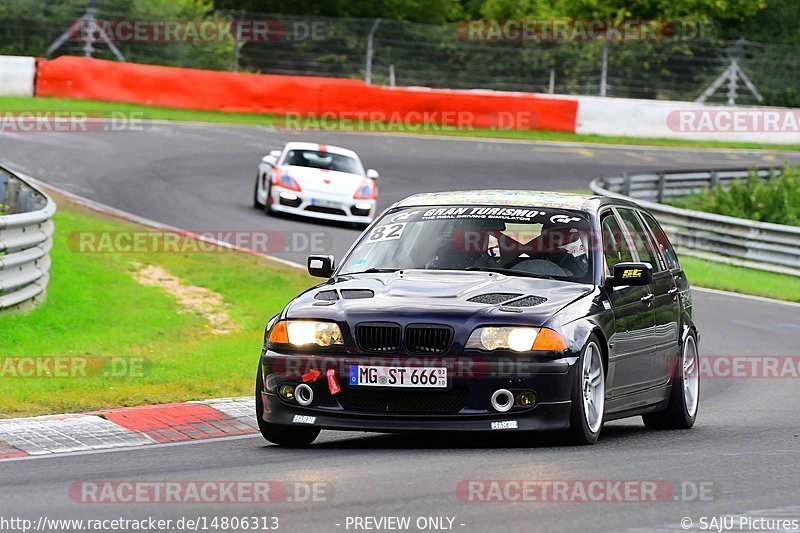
745,446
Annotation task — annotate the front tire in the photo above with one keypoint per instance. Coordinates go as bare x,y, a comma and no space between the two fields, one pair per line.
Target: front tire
684,401
256,203
588,395
277,434
268,202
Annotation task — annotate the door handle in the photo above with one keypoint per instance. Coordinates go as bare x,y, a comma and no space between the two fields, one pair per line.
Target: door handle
648,298
673,292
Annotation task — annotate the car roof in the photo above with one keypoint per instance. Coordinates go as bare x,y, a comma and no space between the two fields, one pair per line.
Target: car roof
519,198
317,147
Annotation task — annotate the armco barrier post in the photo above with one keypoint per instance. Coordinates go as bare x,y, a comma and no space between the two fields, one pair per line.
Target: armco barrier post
662,183
626,184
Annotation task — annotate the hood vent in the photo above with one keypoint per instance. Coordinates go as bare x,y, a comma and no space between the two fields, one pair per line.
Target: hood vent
493,298
528,301
357,294
327,296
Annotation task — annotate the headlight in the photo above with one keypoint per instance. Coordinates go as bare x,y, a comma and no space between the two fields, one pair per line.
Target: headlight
306,332
503,338
518,339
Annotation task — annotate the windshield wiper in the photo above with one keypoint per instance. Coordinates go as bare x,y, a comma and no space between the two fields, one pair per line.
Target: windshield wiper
373,271
509,272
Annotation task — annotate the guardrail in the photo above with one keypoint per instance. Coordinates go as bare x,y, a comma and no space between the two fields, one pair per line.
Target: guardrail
26,232
760,245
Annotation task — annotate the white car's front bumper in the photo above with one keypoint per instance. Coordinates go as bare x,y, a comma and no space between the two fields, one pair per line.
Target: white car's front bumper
339,209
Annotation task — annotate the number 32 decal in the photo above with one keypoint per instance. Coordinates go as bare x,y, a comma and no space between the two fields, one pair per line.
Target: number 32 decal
386,233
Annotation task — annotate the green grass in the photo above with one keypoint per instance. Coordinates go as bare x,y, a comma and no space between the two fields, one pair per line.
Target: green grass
94,308
704,273
776,200
98,109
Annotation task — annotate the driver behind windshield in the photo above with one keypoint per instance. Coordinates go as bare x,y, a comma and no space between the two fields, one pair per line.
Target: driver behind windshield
544,244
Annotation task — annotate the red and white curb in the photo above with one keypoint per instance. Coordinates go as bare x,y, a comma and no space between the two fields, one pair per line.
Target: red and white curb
127,427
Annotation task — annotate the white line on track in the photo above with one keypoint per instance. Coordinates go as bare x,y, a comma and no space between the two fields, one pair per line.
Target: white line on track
745,296
565,144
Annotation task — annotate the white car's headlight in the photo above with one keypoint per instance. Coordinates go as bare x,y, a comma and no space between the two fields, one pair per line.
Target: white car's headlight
306,332
518,339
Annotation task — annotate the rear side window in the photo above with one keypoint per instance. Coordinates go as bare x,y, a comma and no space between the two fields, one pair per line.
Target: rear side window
639,238
615,247
664,246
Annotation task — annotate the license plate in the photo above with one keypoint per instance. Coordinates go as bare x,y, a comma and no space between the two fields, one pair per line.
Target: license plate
419,377
325,203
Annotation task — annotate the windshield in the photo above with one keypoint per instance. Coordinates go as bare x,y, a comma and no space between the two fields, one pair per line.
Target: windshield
522,241
323,160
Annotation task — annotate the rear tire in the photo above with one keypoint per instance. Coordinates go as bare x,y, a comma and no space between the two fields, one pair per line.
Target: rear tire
588,395
277,434
684,400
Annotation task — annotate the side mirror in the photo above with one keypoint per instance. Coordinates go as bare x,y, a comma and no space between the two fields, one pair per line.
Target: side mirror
372,174
320,266
270,160
635,274
275,153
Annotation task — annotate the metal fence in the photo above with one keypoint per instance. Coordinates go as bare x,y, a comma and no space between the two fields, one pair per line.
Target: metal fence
761,245
388,52
26,232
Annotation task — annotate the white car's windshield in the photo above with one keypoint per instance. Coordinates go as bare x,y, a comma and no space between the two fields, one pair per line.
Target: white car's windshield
323,160
522,241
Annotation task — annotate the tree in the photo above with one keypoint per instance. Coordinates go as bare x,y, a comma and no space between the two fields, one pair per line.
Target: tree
696,10
424,11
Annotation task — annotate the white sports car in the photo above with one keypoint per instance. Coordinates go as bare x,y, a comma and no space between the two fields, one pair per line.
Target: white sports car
317,180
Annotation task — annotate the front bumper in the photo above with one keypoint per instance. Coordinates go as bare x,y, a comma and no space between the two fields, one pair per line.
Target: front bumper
464,406
302,206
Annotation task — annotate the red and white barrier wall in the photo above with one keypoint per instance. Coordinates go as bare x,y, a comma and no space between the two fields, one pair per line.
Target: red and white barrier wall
77,77
17,76
686,120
